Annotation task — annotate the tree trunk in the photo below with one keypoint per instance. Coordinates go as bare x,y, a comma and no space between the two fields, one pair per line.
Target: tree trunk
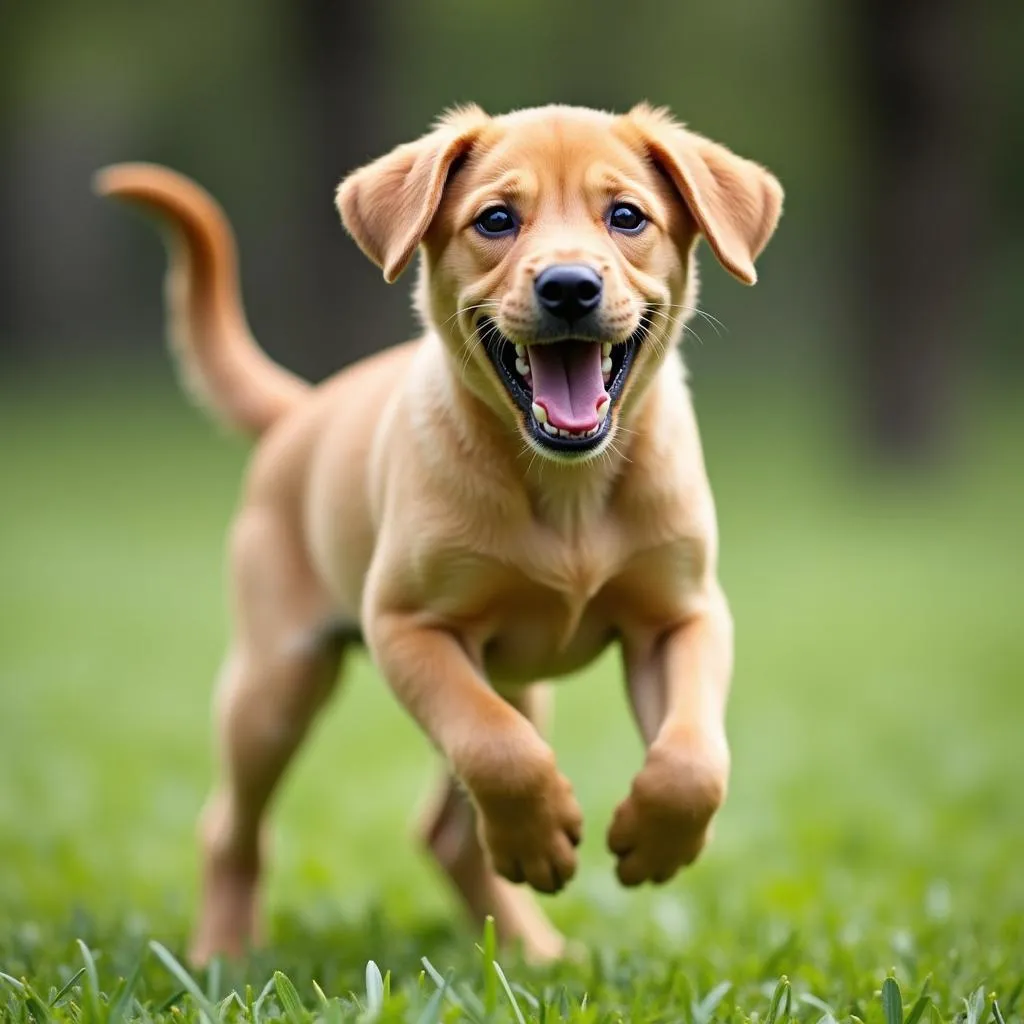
915,77
10,313
344,103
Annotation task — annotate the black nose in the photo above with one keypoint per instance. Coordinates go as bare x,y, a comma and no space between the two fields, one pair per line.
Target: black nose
568,290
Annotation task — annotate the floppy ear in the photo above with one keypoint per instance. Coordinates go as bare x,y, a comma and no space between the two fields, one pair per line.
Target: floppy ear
388,205
735,202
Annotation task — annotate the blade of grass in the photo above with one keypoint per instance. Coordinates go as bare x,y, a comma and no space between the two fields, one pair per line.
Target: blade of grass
92,986
892,1001
435,977
432,1011
531,1000
490,953
257,1008
819,1004
213,980
289,999
974,1004
142,1013
203,1005
432,971
120,1006
38,1004
509,993
921,1003
170,1001
222,1006
781,989
704,1010
68,985
31,998
321,995
374,991
472,1005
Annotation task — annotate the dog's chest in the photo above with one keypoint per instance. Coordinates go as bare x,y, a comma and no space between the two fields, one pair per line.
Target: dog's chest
545,615
542,599
533,633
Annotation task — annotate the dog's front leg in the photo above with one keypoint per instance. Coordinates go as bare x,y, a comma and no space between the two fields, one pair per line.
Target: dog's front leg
528,817
678,685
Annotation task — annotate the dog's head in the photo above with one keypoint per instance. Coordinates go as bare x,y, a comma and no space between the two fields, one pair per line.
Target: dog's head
558,252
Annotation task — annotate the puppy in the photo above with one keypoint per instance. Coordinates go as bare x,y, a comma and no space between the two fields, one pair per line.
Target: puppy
489,506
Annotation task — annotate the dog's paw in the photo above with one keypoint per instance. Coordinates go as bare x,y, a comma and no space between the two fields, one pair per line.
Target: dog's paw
531,832
665,821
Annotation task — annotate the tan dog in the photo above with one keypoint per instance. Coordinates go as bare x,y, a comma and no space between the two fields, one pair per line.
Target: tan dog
491,505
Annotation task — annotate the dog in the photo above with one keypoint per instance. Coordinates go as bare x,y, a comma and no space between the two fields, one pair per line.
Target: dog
489,506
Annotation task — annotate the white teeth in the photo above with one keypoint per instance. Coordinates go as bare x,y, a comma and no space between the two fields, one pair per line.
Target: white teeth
521,351
606,366
602,409
523,367
575,435
606,349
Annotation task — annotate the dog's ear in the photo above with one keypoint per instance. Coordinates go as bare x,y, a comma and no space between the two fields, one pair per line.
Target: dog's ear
388,205
735,202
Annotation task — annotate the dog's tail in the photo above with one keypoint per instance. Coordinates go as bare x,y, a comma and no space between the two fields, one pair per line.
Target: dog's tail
220,362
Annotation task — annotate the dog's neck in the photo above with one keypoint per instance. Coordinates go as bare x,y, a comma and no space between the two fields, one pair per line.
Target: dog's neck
571,495
566,495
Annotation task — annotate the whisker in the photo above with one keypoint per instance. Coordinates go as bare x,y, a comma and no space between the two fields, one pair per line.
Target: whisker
612,446
689,330
469,309
475,341
469,350
677,321
652,339
697,311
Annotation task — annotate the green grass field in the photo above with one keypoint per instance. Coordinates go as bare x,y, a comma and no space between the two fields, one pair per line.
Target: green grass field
875,822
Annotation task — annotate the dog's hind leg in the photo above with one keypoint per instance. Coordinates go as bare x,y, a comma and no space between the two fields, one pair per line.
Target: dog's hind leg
282,666
448,829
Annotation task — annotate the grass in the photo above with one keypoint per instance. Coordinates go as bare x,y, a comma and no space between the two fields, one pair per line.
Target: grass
875,825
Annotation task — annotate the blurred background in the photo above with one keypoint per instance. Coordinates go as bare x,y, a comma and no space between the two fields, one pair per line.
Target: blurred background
861,411
895,128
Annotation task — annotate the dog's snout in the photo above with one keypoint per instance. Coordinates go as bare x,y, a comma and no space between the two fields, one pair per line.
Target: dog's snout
569,290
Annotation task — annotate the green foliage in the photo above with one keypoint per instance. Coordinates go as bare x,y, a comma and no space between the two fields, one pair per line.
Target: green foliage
648,992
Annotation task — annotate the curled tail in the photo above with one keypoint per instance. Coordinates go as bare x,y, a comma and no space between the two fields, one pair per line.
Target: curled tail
220,362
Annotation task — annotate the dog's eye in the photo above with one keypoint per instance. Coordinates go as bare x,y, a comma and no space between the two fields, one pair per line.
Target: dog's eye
626,217
497,220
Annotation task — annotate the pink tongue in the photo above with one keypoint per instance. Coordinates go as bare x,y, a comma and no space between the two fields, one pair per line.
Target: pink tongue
567,382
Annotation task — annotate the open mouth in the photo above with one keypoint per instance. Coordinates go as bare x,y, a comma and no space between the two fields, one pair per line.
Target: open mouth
565,389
